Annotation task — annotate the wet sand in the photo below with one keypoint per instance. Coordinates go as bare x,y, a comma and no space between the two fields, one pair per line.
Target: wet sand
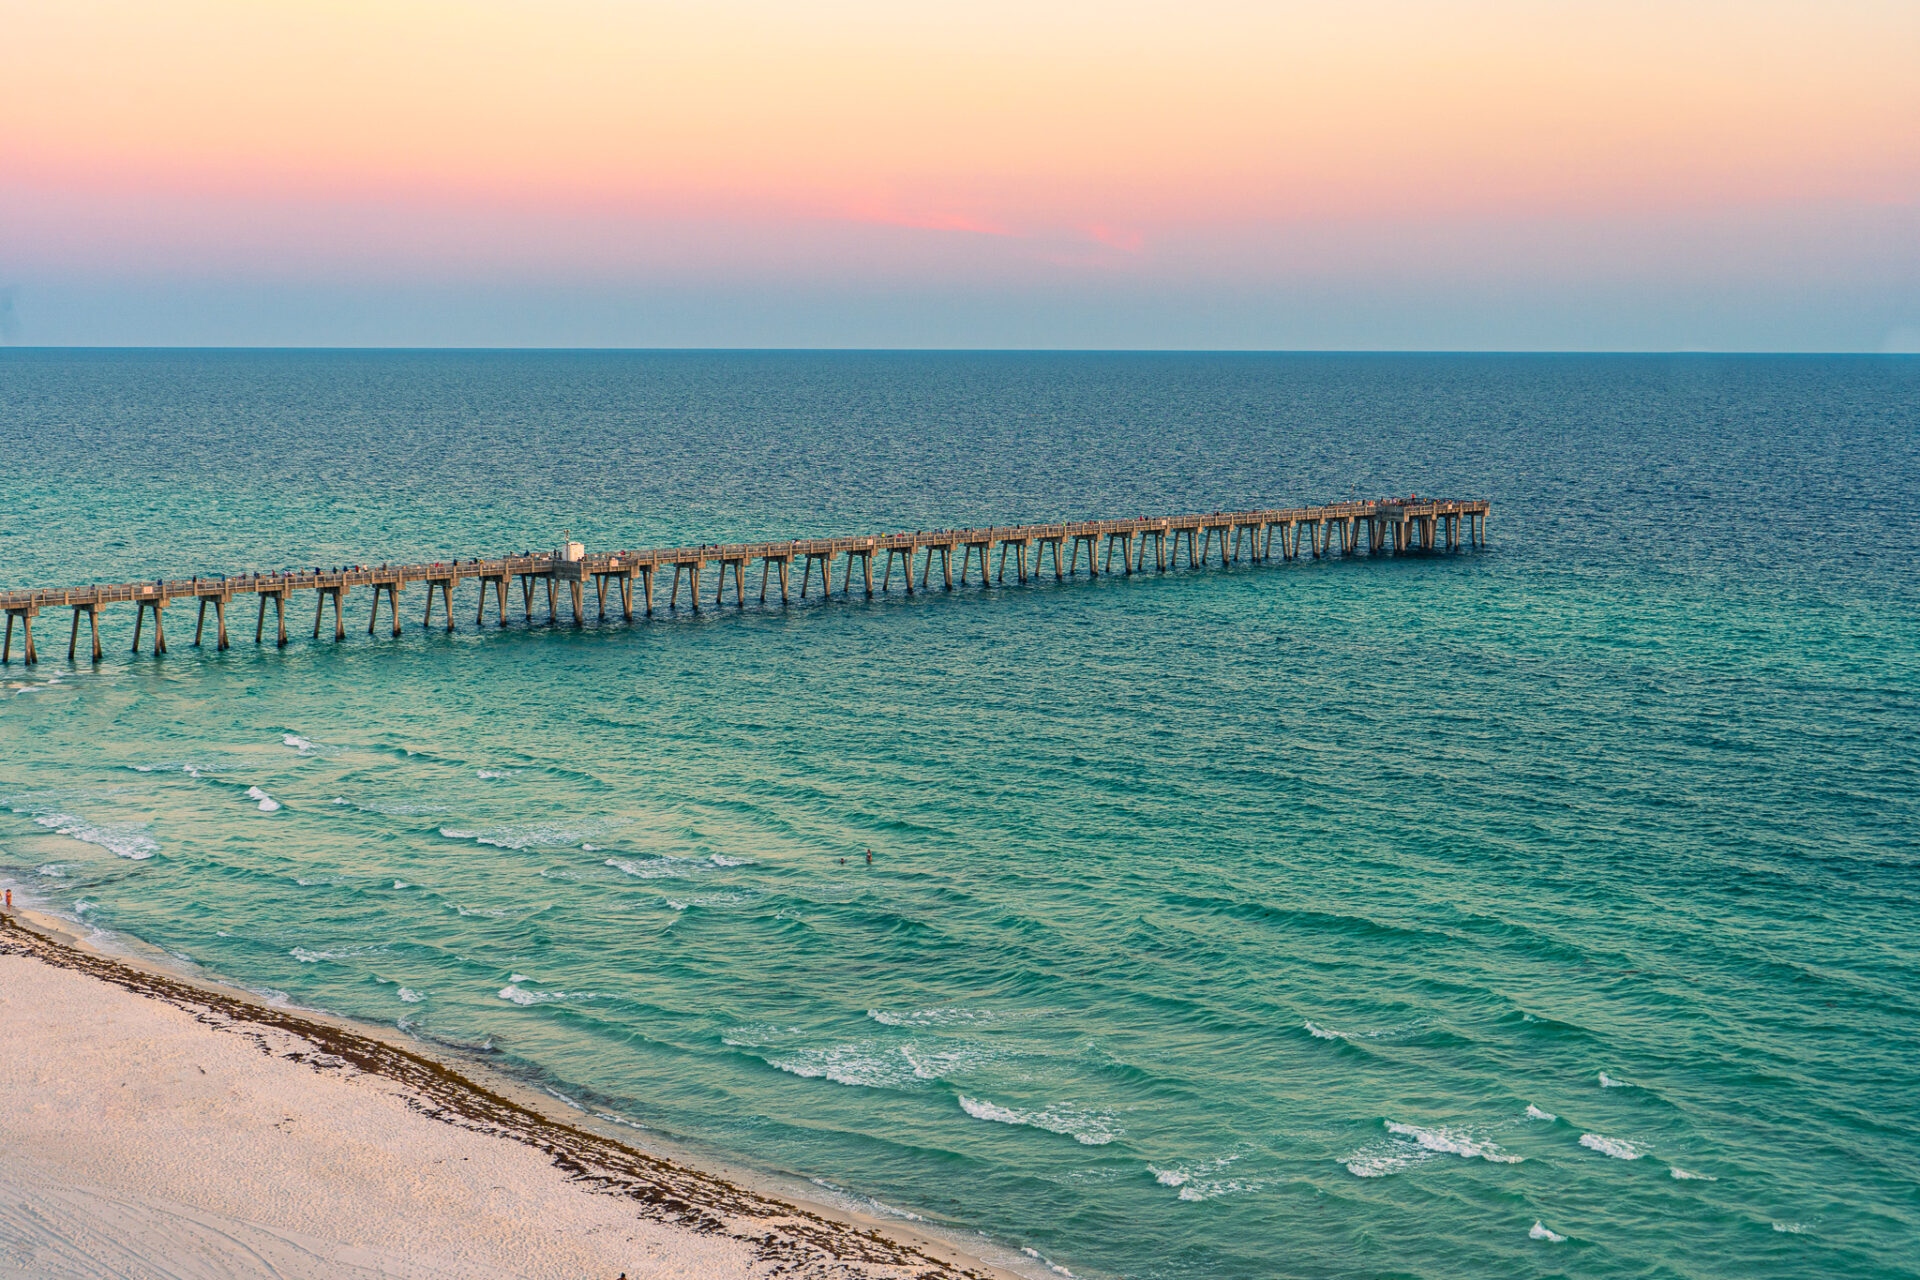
154,1126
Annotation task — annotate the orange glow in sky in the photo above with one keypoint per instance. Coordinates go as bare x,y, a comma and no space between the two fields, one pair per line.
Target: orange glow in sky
916,145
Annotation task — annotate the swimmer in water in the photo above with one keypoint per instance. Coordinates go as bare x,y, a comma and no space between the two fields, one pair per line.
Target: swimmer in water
869,857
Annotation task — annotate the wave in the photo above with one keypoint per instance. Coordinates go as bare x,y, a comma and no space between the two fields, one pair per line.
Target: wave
494,774
129,842
722,860
402,884
1453,1141
1092,1129
409,995
390,809
931,1017
300,744
519,995
1194,1185
1535,1113
1608,1082
1319,1032
710,900
1688,1175
1618,1148
52,869
862,1065
1412,1145
527,836
655,869
1541,1231
267,803
1792,1228
305,956
1054,1267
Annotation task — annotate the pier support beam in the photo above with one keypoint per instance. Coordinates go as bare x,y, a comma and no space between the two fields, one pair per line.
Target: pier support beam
320,598
93,624
825,561
972,551
1092,543
767,564
155,603
278,595
445,587
498,581
391,590
905,556
219,603
26,614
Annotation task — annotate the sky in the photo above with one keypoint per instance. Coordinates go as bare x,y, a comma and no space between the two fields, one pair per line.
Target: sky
1372,174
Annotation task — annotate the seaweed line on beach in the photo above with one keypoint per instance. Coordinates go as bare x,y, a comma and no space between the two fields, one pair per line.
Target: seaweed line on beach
793,1241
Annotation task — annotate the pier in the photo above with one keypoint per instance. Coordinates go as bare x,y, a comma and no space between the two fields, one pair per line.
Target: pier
1389,527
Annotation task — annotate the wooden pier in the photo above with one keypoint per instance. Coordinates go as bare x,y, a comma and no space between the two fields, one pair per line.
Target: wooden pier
1388,527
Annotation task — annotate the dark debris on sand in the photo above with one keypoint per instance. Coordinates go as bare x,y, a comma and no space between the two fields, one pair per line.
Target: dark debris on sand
793,1241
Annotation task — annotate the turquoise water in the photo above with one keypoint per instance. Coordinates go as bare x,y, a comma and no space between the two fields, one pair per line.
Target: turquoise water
1325,919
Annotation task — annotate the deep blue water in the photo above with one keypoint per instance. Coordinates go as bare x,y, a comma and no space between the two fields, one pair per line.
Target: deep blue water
1236,923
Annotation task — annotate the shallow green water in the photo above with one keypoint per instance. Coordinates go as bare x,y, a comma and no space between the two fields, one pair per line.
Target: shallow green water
1322,919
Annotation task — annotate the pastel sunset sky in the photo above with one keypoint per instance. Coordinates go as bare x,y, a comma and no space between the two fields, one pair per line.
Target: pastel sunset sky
1506,174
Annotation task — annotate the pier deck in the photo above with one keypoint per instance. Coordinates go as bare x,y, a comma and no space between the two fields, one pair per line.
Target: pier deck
1388,527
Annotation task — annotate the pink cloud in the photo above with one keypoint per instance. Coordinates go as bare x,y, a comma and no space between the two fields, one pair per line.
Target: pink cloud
1121,238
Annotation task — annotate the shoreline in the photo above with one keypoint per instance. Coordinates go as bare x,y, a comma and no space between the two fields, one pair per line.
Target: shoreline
719,1221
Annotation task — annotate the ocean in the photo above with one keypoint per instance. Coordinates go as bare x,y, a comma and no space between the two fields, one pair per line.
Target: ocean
1546,909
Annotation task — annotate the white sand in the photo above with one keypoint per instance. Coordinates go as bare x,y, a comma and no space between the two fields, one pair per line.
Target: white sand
139,1139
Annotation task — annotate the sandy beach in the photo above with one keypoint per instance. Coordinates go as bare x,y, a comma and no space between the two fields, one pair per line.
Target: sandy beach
156,1127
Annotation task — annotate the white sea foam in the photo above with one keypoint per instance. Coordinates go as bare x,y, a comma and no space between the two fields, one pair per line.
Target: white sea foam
514,992
710,900
1054,1267
53,869
591,848
863,1064
930,1017
518,977
410,995
722,860
299,743
1688,1175
1618,1148
402,884
942,1059
521,837
1195,1182
306,956
1092,1129
655,869
1451,1140
490,913
129,842
81,906
1608,1082
1542,1232
1792,1228
495,773
267,803
1535,1113
1321,1033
